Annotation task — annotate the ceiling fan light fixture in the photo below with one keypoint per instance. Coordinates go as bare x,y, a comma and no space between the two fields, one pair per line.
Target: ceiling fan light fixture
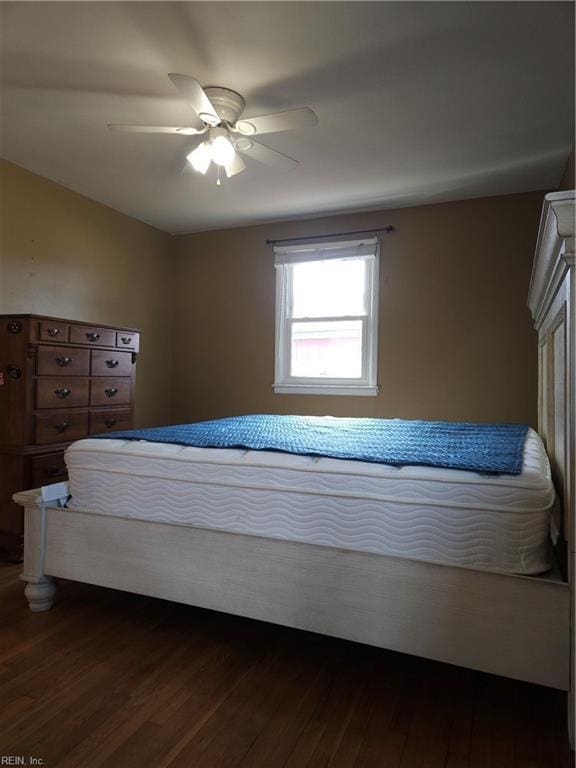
216,112
201,157
235,166
222,150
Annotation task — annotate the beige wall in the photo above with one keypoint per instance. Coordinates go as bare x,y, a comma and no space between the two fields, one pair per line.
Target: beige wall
62,254
455,339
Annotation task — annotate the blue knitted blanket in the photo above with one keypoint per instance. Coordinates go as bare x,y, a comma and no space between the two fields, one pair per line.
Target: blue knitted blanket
485,448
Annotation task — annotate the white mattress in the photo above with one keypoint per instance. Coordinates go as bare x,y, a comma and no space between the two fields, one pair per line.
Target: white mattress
447,516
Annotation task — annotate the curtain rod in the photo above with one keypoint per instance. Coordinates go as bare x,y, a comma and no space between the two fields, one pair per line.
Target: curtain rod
387,229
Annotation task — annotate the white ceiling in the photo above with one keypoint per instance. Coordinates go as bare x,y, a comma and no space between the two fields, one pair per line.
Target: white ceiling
418,102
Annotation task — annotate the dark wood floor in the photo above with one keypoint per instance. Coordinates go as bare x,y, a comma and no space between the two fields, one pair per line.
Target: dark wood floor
114,680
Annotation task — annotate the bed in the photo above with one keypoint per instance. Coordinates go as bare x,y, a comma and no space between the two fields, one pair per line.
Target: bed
503,608
430,560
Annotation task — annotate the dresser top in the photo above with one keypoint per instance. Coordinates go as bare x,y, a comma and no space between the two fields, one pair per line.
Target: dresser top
67,320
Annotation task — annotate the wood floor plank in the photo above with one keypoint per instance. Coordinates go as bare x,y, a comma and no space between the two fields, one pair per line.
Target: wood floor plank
276,740
459,740
346,687
136,736
503,693
347,750
385,735
231,731
482,722
428,738
331,713
112,680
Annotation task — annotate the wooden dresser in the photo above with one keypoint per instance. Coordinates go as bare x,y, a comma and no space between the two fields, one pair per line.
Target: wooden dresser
60,380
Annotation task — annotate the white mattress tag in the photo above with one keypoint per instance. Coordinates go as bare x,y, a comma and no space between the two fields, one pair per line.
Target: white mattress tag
56,492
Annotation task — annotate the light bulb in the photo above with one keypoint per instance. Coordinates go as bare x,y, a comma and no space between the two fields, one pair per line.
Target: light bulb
201,157
222,150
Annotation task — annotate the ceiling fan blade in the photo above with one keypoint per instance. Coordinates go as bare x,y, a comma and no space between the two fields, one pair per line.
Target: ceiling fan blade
184,130
289,120
265,155
196,97
236,165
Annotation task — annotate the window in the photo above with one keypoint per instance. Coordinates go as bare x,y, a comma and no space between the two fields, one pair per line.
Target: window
327,318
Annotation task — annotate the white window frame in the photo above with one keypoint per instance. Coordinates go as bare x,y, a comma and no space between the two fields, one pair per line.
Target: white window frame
284,257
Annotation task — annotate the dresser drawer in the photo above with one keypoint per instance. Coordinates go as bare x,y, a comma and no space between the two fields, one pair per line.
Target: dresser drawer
108,421
53,361
47,469
111,363
53,331
61,393
100,337
126,340
110,391
60,427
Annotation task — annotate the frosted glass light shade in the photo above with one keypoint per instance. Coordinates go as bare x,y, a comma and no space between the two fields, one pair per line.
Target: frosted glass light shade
201,157
222,150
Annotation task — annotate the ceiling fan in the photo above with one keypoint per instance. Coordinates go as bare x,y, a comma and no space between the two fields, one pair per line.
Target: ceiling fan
216,115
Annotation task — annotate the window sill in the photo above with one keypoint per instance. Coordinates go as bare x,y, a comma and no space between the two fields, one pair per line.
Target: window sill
326,389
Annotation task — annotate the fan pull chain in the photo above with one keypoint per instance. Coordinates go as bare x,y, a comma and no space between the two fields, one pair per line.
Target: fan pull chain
218,182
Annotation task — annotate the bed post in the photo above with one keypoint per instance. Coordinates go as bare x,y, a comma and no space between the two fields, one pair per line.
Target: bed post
40,588
551,301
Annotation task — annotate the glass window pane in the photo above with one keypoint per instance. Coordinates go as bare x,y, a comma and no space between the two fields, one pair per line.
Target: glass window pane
330,349
327,288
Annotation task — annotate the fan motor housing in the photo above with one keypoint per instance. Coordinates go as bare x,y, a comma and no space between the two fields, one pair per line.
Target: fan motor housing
228,104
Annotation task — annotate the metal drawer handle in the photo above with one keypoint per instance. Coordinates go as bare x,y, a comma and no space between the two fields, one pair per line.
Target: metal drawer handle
92,336
126,339
62,427
54,470
62,392
14,372
64,361
53,332
111,422
112,363
110,391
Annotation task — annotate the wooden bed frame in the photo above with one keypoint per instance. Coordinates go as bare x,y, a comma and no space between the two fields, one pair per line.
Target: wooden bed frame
504,624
